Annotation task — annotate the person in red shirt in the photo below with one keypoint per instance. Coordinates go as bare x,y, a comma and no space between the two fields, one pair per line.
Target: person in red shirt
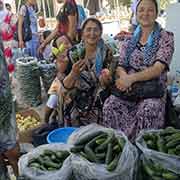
7,29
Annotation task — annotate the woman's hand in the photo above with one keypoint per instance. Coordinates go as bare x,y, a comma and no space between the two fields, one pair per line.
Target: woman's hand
78,67
124,82
41,48
21,44
105,78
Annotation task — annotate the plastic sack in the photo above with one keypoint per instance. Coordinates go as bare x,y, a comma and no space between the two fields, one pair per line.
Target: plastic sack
151,169
3,172
28,78
86,170
167,161
65,173
47,73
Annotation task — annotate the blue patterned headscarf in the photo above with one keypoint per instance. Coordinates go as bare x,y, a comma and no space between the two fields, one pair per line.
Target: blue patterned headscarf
150,48
100,56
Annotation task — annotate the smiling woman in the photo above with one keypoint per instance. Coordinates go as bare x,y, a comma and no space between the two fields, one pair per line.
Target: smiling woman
87,77
145,57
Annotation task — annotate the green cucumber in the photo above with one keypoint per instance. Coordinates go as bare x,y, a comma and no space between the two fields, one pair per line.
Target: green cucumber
35,165
100,141
178,148
168,131
87,137
51,169
170,176
151,145
90,154
172,151
173,136
148,170
77,149
117,148
62,154
43,168
156,178
121,142
50,164
90,145
109,139
33,160
100,156
148,136
173,143
48,152
112,166
161,145
109,154
53,157
82,53
84,155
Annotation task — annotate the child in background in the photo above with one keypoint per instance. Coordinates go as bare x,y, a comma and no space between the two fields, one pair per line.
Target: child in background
59,51
47,51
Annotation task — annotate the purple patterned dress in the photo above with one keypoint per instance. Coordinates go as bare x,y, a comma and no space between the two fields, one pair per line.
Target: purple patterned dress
131,117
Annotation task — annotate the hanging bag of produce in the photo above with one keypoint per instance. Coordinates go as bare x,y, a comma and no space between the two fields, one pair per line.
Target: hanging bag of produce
102,153
47,73
160,157
47,162
28,78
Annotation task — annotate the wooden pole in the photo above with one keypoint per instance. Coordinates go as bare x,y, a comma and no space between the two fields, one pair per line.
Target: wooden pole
50,15
44,9
19,4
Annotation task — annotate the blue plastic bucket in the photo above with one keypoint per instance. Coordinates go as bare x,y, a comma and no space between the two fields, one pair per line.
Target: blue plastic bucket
60,135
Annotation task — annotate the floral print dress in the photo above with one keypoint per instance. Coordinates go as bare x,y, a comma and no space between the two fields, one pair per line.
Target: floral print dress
7,29
131,117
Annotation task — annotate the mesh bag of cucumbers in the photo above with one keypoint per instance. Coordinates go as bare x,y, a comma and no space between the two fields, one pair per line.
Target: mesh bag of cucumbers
102,153
47,73
28,78
160,154
47,162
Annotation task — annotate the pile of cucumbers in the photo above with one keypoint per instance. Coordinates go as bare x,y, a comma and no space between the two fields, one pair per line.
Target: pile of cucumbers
154,171
49,160
165,141
100,147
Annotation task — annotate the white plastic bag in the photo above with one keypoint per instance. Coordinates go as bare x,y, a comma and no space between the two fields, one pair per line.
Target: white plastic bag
85,170
65,173
170,162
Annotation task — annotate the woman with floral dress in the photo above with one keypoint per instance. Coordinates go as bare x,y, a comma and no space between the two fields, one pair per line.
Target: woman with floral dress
144,57
88,76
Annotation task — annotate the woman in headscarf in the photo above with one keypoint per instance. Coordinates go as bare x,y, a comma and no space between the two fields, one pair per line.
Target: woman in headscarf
145,57
89,75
